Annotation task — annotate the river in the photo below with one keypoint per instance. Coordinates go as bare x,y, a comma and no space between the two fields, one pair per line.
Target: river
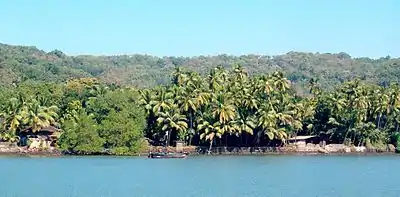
230,176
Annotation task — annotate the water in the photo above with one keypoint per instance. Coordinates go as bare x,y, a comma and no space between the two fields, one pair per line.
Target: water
275,176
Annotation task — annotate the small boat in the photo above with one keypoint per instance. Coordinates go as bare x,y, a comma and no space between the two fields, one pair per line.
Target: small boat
165,155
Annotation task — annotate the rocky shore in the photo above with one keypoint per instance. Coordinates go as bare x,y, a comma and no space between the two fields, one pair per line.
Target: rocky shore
296,149
12,149
299,148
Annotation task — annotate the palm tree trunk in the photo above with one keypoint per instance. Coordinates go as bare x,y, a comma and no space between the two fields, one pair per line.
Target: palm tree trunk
379,120
241,140
226,140
191,119
353,140
360,142
191,127
386,121
347,132
209,149
168,138
190,140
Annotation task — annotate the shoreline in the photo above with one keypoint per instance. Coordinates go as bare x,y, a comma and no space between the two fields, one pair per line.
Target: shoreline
200,154
193,151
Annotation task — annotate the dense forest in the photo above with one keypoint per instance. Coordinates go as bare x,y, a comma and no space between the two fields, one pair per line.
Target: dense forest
120,103
22,63
92,116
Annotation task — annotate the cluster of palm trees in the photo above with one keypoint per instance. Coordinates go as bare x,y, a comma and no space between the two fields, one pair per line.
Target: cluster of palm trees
359,113
260,110
226,108
23,115
226,104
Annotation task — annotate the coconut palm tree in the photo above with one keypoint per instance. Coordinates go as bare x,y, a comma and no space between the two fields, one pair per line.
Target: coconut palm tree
189,106
244,123
172,121
280,82
13,115
207,127
179,77
38,117
9,137
223,108
147,100
162,100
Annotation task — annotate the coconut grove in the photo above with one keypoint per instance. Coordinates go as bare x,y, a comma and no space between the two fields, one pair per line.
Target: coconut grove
224,107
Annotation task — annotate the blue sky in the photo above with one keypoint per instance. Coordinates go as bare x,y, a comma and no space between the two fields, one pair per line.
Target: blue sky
204,27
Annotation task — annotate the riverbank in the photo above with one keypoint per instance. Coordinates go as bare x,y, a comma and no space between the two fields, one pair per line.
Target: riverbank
309,149
24,151
292,149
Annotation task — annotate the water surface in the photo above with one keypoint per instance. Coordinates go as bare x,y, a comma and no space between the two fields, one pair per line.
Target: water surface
230,176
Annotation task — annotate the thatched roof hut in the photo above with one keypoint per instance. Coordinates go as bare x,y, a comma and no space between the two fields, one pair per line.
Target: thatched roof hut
50,132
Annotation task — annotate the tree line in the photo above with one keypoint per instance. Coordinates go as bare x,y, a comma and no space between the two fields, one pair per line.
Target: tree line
233,109
93,117
222,108
27,63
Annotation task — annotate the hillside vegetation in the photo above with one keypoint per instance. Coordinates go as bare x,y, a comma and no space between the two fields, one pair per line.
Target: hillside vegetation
225,108
205,101
24,63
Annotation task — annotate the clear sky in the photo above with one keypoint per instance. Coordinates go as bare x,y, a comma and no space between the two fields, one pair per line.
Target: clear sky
204,27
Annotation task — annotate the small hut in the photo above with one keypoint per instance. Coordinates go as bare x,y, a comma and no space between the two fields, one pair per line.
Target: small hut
304,139
44,138
304,143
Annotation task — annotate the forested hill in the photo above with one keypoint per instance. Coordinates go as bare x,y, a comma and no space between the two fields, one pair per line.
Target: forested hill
21,63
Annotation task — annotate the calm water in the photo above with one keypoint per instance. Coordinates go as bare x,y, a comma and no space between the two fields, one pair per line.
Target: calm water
366,176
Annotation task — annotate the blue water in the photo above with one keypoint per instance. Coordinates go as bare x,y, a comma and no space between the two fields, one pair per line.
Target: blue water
347,176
